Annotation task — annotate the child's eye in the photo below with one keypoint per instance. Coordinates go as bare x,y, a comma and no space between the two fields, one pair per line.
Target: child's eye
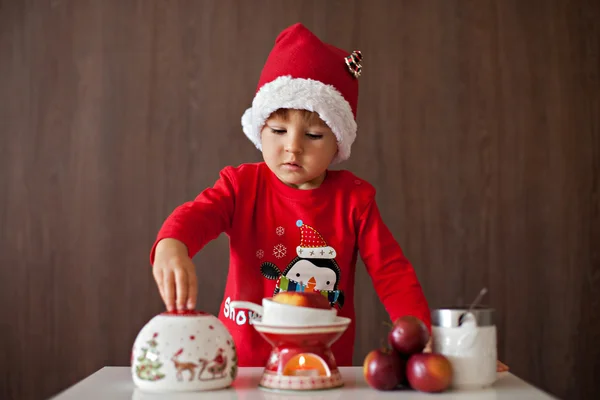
313,136
277,131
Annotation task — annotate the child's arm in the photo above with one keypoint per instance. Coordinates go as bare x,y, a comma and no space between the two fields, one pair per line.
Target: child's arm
392,274
185,232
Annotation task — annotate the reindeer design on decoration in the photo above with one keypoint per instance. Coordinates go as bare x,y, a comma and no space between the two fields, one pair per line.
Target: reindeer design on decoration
183,366
216,367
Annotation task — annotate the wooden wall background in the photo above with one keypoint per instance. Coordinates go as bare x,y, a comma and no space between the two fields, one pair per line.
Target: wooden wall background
479,126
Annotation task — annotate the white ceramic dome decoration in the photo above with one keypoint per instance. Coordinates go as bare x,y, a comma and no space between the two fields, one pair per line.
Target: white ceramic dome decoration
183,351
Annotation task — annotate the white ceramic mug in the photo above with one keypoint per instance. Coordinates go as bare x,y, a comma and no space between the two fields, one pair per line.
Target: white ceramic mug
468,340
278,314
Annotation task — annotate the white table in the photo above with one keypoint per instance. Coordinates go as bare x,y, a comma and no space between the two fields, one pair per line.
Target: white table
115,383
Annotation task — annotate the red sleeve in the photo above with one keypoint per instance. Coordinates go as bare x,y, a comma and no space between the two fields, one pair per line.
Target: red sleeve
392,274
197,222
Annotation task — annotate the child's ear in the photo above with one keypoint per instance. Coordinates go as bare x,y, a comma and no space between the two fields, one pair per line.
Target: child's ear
337,150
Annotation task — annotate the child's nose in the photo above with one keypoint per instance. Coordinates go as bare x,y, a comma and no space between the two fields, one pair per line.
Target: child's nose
294,143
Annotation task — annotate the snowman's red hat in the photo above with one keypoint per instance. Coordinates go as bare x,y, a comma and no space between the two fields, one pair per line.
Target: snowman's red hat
312,244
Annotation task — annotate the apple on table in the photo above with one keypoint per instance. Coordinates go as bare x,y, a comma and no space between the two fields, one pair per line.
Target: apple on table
408,360
404,363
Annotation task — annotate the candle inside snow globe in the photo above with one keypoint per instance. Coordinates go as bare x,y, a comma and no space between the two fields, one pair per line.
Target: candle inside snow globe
304,368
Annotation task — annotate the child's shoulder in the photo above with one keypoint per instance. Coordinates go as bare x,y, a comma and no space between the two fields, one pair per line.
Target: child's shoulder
353,184
242,171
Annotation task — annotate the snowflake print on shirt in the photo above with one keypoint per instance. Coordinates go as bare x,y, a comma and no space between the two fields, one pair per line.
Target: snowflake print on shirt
280,231
260,254
279,251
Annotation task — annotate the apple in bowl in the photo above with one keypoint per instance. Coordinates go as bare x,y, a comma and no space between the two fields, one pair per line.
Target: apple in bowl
302,299
291,309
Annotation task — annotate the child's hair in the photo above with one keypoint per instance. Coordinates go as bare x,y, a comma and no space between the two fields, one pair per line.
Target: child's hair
310,117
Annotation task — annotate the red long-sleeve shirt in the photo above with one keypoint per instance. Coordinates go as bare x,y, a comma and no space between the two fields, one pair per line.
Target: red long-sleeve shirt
283,238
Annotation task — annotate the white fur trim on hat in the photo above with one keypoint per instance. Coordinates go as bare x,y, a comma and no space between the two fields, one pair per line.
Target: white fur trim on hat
303,94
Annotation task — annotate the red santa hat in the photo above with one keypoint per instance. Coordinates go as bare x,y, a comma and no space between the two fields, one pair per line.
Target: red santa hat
312,244
302,72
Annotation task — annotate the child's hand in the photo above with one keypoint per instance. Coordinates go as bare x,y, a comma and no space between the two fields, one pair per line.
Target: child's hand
501,367
175,275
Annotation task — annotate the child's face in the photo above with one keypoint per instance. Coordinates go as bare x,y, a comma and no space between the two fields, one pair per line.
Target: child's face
298,147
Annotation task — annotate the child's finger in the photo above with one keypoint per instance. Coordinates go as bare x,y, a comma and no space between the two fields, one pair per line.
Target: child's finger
181,280
192,291
158,277
428,346
501,367
169,288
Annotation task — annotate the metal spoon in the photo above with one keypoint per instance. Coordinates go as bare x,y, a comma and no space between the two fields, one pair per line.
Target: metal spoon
482,293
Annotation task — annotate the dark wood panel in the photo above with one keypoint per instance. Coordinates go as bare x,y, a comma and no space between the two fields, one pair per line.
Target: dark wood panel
479,126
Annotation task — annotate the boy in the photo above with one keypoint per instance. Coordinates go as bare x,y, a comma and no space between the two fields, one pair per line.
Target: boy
292,223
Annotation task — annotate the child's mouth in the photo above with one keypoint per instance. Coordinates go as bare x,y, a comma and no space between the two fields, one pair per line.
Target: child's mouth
292,166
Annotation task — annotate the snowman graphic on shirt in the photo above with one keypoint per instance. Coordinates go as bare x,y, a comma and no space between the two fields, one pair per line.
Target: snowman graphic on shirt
313,269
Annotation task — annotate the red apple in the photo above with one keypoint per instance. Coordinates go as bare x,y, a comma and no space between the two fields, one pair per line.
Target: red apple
303,299
408,335
384,369
429,372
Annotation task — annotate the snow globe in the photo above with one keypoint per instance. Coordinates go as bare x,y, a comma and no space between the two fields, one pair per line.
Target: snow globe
183,351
